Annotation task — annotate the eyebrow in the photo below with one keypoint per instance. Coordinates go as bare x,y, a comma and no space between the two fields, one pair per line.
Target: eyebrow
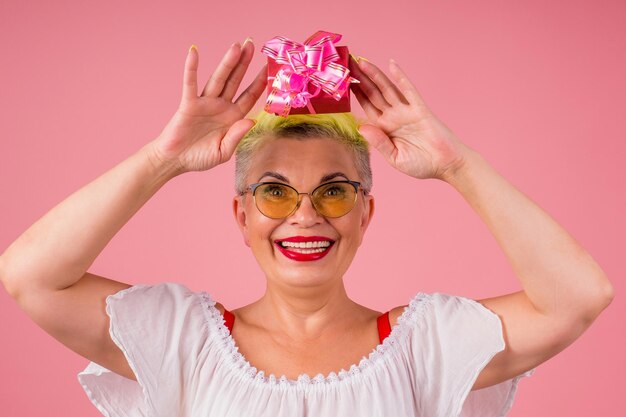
281,177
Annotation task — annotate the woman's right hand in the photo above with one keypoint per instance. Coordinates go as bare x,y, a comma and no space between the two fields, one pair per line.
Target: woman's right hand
206,129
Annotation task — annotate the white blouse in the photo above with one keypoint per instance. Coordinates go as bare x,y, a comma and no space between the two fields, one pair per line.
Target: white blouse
187,364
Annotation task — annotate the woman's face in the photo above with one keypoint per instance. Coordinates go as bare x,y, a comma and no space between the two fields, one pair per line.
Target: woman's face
303,163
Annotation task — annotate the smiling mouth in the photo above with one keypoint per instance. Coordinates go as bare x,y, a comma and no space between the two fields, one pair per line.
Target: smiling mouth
305,251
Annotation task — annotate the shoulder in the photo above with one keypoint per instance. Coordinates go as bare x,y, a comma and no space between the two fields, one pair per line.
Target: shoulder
414,306
443,307
220,307
395,313
164,299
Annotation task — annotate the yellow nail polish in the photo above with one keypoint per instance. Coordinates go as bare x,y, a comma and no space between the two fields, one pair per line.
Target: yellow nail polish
248,39
363,58
193,47
356,59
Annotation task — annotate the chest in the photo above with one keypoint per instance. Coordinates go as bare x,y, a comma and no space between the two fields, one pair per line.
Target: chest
329,353
326,354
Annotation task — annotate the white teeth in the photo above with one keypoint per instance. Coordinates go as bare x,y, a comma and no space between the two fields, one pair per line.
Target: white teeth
319,244
307,250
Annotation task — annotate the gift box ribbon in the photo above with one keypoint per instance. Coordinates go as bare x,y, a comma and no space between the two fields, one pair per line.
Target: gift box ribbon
303,64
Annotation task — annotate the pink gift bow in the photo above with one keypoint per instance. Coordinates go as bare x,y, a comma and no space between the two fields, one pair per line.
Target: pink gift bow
311,62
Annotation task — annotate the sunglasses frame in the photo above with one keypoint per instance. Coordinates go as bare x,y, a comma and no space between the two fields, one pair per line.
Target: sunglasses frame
253,187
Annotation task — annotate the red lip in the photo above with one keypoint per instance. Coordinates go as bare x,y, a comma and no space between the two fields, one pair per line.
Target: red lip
296,256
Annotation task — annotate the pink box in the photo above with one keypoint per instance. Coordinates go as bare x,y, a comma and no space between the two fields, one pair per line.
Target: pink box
322,103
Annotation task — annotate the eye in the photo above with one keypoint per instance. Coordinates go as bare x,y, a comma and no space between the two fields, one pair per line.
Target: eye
274,191
333,191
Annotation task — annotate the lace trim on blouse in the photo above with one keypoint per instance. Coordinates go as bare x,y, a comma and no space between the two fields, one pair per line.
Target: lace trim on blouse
240,364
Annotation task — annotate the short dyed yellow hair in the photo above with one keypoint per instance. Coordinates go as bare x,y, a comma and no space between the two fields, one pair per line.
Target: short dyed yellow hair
342,127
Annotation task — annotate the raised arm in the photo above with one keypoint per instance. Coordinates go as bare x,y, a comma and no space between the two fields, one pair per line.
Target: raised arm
564,289
44,270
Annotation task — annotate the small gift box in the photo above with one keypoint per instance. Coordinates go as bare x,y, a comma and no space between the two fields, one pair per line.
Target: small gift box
307,78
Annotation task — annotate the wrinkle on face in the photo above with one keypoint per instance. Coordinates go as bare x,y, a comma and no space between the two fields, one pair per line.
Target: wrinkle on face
303,298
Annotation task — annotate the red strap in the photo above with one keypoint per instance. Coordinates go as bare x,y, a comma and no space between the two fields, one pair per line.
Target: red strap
230,320
384,326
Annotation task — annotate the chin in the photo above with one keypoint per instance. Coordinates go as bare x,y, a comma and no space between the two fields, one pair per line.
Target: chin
301,277
304,280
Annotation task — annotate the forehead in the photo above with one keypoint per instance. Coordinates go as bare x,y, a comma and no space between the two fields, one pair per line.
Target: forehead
300,159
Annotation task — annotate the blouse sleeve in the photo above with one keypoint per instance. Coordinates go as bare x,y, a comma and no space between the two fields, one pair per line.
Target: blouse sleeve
461,337
161,330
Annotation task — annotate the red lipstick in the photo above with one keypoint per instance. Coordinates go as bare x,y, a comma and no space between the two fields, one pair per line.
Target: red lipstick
299,256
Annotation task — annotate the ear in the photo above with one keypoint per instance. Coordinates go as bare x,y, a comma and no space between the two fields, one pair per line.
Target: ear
368,213
240,217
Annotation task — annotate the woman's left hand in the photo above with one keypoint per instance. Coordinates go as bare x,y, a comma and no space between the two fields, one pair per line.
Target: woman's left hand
405,131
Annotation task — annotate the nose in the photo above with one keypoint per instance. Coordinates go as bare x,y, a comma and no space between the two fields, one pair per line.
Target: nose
305,214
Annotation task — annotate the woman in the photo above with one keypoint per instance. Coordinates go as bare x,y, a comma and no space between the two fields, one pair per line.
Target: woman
165,350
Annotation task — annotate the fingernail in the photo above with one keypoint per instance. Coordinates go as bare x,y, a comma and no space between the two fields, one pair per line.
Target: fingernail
355,58
393,61
235,43
193,47
363,58
248,39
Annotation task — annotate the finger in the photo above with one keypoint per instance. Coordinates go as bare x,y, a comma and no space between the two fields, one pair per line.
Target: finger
233,82
190,75
233,136
384,84
372,112
215,85
368,87
405,85
250,95
380,140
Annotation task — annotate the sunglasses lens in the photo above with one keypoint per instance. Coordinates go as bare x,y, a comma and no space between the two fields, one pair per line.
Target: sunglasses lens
275,200
334,199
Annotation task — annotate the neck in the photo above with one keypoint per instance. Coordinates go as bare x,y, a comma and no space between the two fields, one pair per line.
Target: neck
304,313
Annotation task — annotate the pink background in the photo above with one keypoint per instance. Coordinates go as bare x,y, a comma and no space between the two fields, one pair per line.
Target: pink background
537,88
